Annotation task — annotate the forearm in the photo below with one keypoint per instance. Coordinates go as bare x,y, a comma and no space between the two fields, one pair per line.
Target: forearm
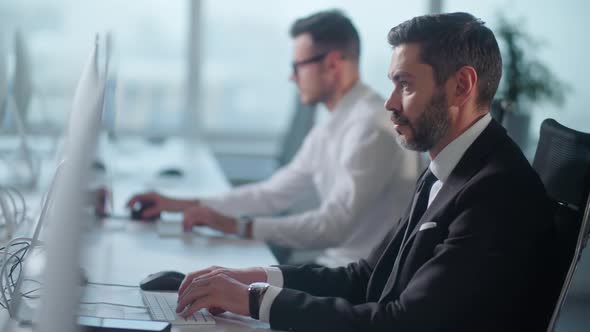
316,229
268,197
348,282
298,311
179,205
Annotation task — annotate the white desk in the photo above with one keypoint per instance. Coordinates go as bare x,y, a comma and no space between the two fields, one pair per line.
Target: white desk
124,252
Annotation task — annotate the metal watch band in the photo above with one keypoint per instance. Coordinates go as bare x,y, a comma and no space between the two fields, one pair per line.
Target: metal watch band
255,293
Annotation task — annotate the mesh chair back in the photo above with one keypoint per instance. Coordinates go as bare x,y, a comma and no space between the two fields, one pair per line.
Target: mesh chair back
563,163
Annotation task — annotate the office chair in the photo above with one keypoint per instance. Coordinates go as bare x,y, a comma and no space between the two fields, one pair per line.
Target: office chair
562,160
242,169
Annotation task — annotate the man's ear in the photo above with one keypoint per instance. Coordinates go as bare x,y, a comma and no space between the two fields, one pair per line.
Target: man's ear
333,59
465,86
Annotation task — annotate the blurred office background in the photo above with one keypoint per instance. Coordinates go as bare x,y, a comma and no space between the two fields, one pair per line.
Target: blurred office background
218,70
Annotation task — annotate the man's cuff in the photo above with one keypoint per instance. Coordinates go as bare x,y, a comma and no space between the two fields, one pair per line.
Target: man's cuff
269,297
274,276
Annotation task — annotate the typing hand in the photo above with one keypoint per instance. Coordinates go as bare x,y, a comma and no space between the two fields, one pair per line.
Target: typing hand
203,216
161,203
218,293
244,276
102,195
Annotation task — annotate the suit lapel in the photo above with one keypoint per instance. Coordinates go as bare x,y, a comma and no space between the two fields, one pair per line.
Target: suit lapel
384,264
466,168
471,162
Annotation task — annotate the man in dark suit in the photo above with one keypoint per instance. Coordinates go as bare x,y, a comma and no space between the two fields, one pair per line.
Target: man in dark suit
466,254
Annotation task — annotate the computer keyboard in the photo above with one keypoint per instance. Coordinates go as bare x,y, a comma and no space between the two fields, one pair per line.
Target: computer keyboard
162,307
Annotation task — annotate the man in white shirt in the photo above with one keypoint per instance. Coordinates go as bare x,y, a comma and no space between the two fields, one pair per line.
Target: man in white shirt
350,161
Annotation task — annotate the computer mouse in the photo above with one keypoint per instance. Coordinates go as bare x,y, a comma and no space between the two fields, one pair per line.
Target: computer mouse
162,281
139,207
172,172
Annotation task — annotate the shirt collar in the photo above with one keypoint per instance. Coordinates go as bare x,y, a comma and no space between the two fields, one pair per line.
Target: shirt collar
348,100
447,159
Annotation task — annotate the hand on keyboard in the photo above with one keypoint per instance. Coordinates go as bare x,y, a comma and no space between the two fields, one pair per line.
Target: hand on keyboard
223,293
162,307
244,276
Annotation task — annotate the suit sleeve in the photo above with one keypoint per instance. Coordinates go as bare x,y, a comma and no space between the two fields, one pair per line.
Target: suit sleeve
349,282
480,259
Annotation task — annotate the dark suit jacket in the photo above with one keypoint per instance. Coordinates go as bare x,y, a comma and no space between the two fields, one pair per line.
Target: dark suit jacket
474,271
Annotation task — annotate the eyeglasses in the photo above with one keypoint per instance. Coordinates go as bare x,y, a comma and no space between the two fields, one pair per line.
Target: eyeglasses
295,65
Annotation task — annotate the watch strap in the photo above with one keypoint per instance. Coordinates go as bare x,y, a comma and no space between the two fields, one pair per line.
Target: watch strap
242,226
256,292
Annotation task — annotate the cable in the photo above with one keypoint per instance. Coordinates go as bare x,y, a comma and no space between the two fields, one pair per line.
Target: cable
28,293
24,210
11,263
113,285
8,274
10,206
19,211
29,296
118,305
7,193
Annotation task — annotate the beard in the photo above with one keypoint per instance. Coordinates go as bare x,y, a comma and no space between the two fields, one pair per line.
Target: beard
430,126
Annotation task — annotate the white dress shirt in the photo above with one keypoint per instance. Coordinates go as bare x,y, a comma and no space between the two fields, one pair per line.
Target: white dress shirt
353,164
447,158
441,167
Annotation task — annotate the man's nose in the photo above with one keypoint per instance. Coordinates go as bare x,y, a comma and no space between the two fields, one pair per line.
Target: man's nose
393,103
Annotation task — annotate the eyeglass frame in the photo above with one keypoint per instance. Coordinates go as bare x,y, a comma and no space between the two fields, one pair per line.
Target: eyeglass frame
316,58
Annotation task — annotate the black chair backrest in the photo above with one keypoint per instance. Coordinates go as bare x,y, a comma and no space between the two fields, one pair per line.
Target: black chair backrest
562,161
301,122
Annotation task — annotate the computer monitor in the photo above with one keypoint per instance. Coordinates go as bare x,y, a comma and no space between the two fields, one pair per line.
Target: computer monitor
22,83
25,152
59,298
3,77
12,102
20,96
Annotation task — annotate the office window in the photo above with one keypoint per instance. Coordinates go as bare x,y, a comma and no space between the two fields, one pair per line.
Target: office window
148,60
244,58
560,29
247,55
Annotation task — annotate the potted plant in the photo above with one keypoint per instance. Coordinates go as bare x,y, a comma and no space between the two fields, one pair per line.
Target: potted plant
525,81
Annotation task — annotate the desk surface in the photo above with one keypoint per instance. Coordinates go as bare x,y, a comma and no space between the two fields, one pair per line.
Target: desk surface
124,251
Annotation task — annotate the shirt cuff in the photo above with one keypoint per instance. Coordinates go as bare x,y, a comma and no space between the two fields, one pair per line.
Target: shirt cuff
269,297
261,229
274,276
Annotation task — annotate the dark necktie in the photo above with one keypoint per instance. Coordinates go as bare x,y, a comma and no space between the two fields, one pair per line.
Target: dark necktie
419,205
420,201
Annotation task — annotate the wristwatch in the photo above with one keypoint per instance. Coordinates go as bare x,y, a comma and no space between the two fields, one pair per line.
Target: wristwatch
256,292
243,222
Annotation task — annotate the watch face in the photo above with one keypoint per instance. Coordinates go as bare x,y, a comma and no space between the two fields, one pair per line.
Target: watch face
259,284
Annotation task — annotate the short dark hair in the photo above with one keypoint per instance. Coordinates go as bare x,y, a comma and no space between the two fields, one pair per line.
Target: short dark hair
330,30
451,41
